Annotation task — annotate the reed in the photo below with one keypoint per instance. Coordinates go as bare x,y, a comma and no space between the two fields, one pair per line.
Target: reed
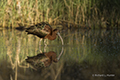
78,13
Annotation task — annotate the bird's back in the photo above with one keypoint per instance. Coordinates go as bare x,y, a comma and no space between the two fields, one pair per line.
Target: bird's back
37,61
40,30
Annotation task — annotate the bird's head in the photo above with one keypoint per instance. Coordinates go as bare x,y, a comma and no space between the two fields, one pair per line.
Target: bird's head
56,31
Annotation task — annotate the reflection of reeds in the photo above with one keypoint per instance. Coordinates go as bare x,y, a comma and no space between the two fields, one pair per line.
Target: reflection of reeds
79,46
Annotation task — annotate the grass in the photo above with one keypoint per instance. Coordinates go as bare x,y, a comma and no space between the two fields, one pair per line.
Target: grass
78,13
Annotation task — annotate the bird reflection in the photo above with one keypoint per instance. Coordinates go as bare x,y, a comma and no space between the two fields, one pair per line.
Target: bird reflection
42,60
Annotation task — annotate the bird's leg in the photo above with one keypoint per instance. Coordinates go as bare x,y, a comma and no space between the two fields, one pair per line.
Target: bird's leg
45,42
40,45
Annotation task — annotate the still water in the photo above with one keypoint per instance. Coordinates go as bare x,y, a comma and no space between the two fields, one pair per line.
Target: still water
87,55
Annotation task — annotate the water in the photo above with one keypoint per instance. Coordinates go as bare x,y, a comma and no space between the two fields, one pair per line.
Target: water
87,55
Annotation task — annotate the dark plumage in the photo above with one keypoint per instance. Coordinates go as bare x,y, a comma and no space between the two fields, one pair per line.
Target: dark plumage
42,60
42,30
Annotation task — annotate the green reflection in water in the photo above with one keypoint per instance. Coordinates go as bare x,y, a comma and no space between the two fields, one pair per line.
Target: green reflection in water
86,53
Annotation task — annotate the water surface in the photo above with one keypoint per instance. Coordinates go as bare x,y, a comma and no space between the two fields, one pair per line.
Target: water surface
87,55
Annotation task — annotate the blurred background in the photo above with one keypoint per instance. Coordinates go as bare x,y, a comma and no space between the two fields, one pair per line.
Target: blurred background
90,31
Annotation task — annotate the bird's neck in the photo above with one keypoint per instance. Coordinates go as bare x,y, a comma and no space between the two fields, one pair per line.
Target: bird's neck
52,36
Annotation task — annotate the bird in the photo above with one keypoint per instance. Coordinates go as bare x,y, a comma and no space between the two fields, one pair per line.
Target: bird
42,60
43,30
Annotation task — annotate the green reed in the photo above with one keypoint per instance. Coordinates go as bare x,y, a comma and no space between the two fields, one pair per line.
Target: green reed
87,13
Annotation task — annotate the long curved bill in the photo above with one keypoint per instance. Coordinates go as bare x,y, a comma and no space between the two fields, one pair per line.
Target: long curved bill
58,58
60,38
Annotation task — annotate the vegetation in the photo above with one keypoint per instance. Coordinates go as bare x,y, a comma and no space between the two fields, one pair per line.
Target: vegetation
85,52
77,13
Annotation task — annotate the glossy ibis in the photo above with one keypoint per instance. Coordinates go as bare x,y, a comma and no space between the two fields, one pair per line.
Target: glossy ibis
44,30
42,60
